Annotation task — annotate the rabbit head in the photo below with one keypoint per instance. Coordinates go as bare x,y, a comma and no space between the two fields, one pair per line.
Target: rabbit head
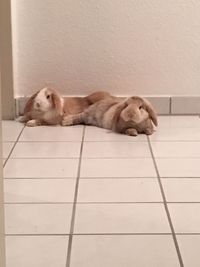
45,100
138,110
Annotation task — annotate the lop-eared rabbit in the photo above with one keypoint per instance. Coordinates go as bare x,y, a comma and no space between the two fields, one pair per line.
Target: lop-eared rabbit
47,106
130,116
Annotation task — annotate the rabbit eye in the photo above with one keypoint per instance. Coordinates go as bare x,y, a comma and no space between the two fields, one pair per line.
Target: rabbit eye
48,96
140,107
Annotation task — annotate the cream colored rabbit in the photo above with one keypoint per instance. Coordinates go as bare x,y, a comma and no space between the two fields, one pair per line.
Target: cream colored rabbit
130,116
47,106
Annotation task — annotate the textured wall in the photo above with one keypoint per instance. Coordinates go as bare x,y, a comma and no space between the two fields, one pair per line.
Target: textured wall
124,46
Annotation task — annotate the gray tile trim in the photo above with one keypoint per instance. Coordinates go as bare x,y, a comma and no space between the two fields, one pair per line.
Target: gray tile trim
164,104
185,105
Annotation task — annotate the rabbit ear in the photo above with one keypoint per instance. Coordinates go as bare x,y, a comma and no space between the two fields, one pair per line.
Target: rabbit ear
29,103
126,116
117,113
130,104
57,102
152,114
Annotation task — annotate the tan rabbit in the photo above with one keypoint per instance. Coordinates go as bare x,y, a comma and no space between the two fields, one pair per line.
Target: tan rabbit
47,106
130,116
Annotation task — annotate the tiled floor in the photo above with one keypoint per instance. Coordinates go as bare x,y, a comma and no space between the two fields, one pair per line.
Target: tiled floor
86,197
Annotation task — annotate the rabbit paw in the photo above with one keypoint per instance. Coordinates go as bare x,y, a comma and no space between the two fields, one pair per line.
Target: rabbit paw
148,131
33,123
67,121
132,132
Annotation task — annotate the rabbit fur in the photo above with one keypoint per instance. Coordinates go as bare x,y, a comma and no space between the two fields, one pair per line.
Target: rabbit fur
130,116
47,107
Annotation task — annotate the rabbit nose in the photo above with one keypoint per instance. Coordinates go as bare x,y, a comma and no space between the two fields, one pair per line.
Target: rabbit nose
37,105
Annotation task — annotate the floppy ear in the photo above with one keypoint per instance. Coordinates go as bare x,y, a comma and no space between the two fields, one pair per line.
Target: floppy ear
117,113
29,103
124,111
126,114
56,100
152,114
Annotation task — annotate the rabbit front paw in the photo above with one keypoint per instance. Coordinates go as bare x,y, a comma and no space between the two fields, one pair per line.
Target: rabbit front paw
33,123
132,132
67,121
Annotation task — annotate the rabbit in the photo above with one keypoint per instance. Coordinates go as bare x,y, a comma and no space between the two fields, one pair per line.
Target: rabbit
47,106
130,116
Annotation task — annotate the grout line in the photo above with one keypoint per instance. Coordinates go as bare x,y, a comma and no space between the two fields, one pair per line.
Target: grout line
86,203
175,141
7,142
81,178
108,141
36,234
166,207
180,177
96,178
183,202
170,106
100,202
79,141
91,234
29,141
68,260
27,158
15,143
107,234
113,158
77,157
50,141
40,178
39,203
114,234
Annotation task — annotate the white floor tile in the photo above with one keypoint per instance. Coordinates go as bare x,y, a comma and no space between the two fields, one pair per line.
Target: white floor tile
185,217
7,147
189,247
41,168
123,251
38,218
11,130
119,190
121,218
39,190
117,168
176,134
176,149
182,190
32,251
116,150
179,121
46,150
98,134
52,133
123,171
178,167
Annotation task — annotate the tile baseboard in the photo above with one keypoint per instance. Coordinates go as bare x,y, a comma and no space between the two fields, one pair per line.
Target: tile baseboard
185,105
164,105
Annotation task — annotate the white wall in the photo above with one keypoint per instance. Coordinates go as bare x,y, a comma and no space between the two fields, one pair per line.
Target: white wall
123,46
